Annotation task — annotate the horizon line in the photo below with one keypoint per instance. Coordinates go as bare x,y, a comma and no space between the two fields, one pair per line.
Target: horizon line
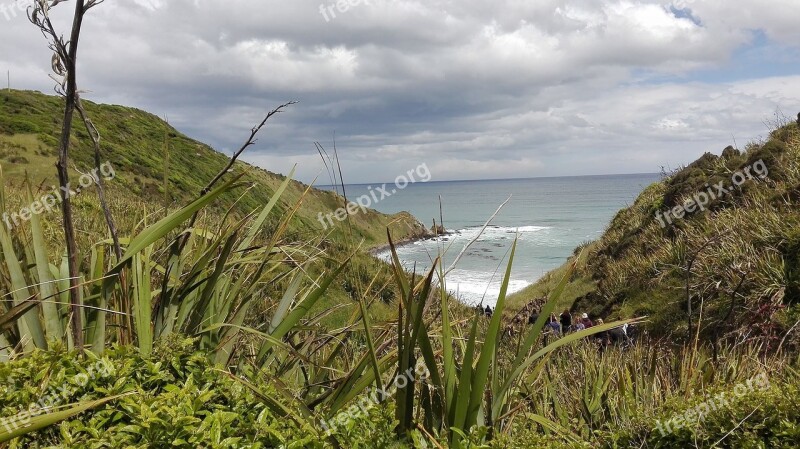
497,179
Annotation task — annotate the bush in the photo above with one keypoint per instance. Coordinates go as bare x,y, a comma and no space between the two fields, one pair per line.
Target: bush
771,153
17,126
181,401
763,418
18,160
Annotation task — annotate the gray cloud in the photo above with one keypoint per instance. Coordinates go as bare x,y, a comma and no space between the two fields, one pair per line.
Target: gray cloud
475,89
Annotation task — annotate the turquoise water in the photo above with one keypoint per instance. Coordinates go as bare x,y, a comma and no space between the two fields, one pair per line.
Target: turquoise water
549,216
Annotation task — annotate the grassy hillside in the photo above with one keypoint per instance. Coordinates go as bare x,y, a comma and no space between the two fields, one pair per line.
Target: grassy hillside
732,266
143,149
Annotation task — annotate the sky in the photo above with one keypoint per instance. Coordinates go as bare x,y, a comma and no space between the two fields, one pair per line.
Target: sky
473,89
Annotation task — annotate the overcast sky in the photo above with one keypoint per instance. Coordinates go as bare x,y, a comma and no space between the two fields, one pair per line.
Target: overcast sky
476,89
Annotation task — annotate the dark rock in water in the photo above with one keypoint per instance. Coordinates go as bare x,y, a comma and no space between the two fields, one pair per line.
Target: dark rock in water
438,229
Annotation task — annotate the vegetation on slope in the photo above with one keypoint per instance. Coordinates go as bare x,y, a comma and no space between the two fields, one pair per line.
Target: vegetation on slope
143,149
732,268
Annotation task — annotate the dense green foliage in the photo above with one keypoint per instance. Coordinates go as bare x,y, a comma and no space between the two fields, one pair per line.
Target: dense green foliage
768,418
179,399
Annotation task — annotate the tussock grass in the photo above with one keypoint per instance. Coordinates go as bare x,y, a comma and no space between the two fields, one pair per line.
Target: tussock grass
743,278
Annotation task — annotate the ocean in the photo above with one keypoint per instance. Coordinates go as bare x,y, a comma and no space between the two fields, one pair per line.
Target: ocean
550,217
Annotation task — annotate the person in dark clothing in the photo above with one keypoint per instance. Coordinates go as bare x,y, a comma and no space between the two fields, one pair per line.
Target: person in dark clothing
533,317
621,336
602,338
488,311
566,321
587,323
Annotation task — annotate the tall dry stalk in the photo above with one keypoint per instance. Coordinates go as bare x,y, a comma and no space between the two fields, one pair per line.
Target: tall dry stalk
64,63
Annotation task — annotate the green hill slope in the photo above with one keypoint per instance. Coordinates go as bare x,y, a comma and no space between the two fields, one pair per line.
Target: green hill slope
715,243
143,149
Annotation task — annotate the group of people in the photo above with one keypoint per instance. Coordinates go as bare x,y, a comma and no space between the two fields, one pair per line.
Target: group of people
565,323
487,311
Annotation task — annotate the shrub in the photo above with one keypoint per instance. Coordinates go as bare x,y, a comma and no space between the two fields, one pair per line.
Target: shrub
762,418
18,160
18,126
771,153
181,401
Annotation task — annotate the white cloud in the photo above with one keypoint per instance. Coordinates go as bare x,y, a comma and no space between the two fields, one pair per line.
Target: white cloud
506,88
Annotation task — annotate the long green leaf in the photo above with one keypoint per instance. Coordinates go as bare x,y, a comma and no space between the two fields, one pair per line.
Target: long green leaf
255,227
202,311
142,301
47,288
464,395
399,274
30,329
362,383
489,349
96,317
553,427
370,343
23,424
286,302
274,341
293,318
448,362
166,225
